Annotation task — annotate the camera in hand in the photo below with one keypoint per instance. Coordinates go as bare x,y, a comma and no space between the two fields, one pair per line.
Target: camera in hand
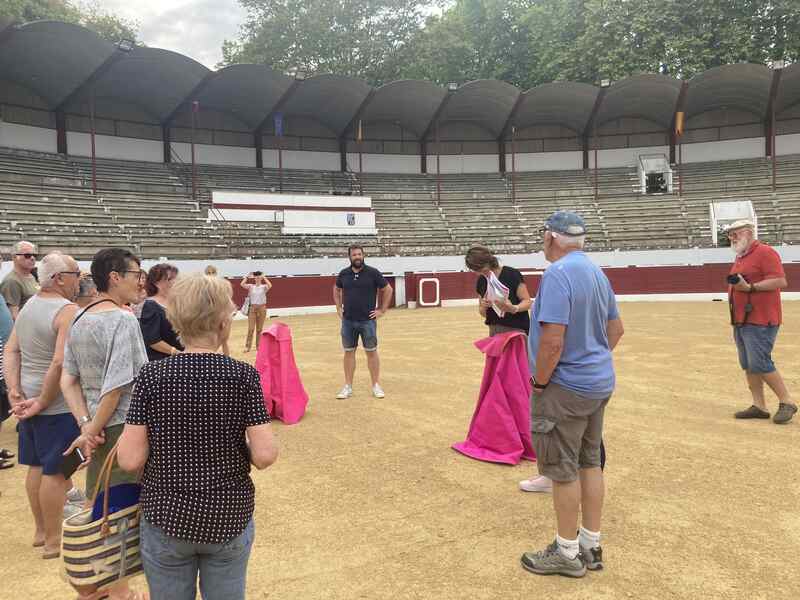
733,279
257,273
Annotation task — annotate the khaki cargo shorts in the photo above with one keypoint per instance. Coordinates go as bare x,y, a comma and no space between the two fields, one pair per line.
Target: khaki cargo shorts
567,430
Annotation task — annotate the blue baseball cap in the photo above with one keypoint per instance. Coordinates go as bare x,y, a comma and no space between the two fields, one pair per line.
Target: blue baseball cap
566,223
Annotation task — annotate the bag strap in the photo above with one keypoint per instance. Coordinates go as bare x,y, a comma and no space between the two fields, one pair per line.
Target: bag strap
83,312
104,479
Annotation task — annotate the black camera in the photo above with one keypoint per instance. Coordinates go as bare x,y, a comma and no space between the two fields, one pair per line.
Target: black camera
733,279
257,273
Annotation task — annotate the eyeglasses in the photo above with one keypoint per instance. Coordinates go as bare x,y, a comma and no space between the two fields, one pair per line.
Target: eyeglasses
26,254
76,273
139,274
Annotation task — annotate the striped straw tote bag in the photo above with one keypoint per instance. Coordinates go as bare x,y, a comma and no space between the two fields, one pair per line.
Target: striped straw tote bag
98,553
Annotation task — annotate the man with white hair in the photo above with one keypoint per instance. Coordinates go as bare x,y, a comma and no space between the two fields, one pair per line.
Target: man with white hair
20,284
754,295
574,327
33,360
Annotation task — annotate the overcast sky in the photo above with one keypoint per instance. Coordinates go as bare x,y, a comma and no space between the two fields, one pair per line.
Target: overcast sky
195,28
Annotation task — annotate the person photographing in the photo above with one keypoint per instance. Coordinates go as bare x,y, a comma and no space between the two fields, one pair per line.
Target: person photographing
257,286
754,297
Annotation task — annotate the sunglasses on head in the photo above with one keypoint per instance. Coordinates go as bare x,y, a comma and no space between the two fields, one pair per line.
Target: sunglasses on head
26,254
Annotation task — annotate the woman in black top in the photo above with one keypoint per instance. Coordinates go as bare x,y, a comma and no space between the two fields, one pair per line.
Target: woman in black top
159,336
196,423
481,260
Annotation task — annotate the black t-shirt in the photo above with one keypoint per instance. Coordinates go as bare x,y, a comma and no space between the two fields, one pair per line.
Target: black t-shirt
157,328
360,291
511,278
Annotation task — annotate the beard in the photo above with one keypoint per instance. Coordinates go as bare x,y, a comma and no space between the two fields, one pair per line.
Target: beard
740,246
357,263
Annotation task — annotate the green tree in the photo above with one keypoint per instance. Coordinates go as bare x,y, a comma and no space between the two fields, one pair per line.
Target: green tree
106,25
360,38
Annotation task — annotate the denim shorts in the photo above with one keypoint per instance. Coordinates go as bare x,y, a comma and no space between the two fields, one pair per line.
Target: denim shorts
44,438
754,344
367,330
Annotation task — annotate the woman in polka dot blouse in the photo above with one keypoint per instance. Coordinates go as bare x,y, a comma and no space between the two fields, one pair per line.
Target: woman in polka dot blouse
196,423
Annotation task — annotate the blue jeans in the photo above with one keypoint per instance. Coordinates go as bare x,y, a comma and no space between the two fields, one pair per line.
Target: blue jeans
367,330
754,344
171,565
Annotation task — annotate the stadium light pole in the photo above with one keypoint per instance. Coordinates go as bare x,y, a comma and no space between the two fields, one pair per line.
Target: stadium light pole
91,129
438,168
604,83
776,66
513,164
194,108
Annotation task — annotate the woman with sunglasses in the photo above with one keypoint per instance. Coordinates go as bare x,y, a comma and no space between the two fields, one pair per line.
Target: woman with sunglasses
159,336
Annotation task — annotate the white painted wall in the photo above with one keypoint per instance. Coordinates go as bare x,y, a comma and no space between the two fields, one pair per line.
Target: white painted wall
26,137
727,150
220,198
109,146
299,159
328,222
787,144
465,163
206,154
624,157
546,161
384,163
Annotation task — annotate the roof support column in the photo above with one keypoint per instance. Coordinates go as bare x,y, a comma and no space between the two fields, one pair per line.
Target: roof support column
61,131
769,117
167,139
590,127
680,105
423,139
423,157
501,139
258,144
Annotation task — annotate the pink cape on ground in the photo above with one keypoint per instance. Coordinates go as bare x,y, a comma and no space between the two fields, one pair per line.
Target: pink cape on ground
284,394
500,429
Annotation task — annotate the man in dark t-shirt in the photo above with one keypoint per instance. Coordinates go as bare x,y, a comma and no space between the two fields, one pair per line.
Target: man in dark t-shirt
355,295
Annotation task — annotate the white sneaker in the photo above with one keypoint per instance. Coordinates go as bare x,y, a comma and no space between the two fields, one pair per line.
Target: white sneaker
539,484
71,509
346,392
377,391
76,496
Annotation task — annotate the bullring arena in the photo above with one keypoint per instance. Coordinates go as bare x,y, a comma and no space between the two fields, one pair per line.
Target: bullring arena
246,168
367,500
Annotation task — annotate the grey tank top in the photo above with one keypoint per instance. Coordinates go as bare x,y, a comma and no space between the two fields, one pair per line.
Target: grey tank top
37,336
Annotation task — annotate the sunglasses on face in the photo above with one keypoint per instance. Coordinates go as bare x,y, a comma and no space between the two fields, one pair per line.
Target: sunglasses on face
139,274
76,273
26,254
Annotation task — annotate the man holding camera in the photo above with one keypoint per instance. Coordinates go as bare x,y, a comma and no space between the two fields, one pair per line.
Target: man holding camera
754,296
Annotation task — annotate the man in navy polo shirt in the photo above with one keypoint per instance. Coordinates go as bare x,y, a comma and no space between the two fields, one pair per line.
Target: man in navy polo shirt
355,296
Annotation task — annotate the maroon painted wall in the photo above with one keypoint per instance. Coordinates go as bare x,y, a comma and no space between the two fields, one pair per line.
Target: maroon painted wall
286,292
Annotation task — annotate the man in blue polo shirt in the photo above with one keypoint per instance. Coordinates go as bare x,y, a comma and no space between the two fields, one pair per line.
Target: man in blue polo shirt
574,327
355,296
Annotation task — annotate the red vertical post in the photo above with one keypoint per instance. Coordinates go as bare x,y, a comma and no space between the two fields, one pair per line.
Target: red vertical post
280,162
773,135
680,166
438,167
596,192
195,107
94,156
513,164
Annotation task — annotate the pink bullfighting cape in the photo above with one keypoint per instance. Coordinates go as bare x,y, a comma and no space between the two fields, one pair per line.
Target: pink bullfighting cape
284,394
500,429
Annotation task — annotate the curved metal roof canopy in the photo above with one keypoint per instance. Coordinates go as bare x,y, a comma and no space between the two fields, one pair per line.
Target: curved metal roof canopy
743,86
562,103
50,58
329,99
412,103
650,97
486,103
789,89
168,76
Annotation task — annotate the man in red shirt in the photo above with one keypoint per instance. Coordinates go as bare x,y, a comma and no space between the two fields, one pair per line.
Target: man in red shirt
755,304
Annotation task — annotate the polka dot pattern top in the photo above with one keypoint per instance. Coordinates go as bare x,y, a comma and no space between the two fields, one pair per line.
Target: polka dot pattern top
196,484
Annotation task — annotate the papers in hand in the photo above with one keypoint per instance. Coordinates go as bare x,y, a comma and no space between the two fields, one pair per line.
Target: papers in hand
495,292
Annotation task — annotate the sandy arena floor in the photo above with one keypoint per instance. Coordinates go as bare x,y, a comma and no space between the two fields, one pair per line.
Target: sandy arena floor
368,501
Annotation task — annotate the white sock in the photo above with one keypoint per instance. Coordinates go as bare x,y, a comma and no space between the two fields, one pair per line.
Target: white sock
589,539
568,548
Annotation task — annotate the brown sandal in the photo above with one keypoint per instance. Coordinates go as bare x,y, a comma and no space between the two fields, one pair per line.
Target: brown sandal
51,554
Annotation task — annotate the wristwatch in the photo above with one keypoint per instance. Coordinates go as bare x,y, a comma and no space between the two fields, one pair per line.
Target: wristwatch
83,421
752,288
538,386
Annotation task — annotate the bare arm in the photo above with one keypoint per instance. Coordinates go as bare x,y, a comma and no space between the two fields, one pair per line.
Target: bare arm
262,444
244,284
12,363
615,331
337,299
386,297
767,285
551,345
268,283
134,447
164,347
73,394
483,305
14,312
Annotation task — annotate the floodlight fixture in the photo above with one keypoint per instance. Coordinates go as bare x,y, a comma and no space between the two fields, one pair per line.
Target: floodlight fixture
605,83
126,45
452,86
298,74
779,64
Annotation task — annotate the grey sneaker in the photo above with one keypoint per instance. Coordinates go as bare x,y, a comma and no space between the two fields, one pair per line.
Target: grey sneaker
76,496
784,414
592,558
346,392
551,562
